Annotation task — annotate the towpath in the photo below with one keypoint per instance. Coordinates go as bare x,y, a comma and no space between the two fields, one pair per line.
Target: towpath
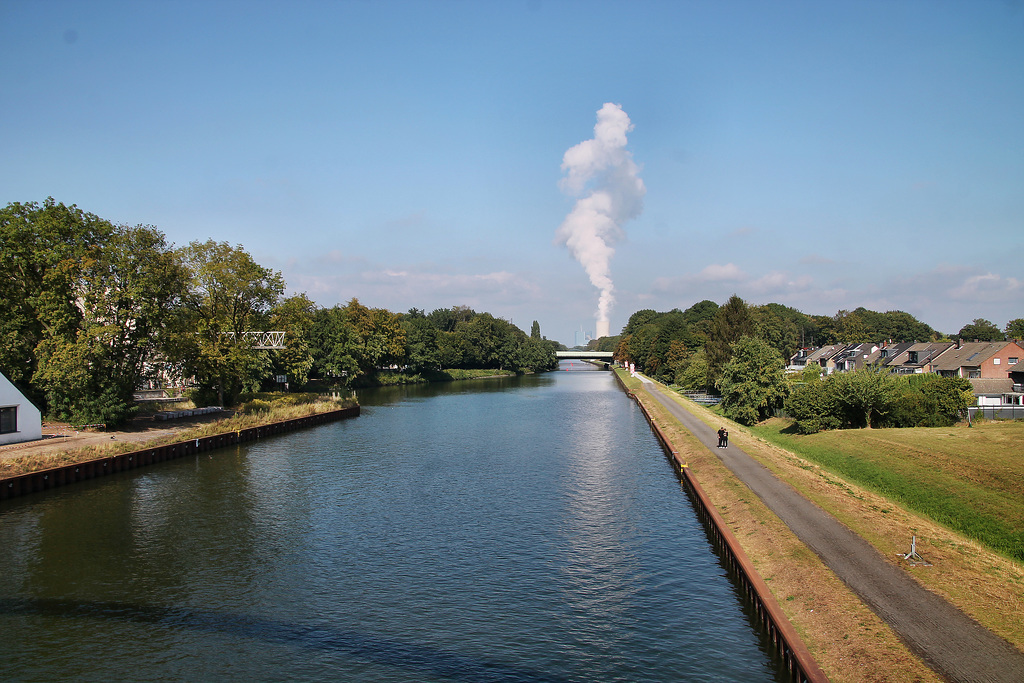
952,643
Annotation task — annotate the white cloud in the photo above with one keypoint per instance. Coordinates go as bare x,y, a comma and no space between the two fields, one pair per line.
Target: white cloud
987,286
779,282
422,286
729,271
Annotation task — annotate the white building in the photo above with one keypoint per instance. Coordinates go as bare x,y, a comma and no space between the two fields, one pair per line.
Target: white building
19,419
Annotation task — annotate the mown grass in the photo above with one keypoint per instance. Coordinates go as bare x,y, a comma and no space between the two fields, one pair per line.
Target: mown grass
966,478
270,408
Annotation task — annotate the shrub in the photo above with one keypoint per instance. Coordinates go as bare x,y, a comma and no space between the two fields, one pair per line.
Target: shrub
813,408
257,405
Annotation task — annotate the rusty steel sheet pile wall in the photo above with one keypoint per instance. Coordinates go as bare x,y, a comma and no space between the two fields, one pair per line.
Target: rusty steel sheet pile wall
24,484
783,636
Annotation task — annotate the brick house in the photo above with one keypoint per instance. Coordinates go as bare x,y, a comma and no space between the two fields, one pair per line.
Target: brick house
979,360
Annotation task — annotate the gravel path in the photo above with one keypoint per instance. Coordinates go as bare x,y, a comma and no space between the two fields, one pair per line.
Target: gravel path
952,643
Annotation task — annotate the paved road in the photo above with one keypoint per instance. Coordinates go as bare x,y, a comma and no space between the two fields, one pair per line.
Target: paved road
950,642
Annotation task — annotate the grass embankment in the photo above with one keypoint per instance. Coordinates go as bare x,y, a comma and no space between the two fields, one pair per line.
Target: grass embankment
849,642
982,582
966,478
260,409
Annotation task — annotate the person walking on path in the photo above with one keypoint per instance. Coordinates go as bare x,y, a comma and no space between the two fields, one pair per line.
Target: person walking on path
947,639
723,437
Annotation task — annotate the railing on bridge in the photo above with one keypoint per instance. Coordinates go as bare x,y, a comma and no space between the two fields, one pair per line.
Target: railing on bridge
606,356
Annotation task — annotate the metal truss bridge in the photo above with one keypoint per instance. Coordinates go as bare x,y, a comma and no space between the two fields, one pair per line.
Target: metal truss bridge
262,341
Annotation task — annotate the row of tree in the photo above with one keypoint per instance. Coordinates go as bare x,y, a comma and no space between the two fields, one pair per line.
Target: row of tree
740,351
92,311
691,347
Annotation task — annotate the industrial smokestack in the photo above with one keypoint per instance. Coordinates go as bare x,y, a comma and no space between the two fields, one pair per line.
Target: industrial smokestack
603,329
601,172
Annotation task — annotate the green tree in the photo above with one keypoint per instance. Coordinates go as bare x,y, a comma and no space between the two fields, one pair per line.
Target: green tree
609,343
535,330
1015,329
446,319
692,372
655,342
952,396
753,382
814,407
865,395
699,318
43,249
902,327
228,295
422,344
981,330
85,307
380,338
783,328
538,355
731,322
333,344
639,319
850,327
126,295
294,316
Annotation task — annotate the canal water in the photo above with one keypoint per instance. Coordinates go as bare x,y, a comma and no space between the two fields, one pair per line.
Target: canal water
518,529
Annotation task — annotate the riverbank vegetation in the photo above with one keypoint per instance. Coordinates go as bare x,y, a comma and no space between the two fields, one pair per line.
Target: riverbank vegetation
740,352
94,311
384,378
847,639
256,410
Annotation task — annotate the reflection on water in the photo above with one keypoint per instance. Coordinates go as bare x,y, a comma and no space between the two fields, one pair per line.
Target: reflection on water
597,527
522,529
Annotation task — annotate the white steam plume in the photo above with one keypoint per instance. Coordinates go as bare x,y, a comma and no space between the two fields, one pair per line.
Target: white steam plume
604,177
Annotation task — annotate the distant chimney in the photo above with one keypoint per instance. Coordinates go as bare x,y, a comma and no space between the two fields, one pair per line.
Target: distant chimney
603,329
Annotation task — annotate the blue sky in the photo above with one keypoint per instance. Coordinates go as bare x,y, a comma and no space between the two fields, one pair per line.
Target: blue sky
822,155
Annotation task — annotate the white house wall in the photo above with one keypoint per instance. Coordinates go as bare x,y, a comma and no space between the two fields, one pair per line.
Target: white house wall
30,422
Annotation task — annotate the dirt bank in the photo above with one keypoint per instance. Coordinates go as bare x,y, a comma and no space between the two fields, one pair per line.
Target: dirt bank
59,437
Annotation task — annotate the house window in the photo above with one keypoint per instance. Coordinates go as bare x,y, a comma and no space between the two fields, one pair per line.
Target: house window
8,420
996,361
911,356
1012,360
974,374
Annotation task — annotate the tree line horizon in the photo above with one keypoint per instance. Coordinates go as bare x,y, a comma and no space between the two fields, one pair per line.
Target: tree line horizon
94,310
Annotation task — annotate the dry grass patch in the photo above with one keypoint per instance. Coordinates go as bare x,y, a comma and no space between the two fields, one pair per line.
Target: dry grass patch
276,412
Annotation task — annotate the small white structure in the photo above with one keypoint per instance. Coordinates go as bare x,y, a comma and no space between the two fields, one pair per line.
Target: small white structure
19,419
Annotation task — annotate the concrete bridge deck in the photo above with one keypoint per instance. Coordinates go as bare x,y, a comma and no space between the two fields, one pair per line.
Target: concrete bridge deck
585,355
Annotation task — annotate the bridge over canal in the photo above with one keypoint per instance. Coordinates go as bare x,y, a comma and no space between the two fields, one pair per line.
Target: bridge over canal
605,356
